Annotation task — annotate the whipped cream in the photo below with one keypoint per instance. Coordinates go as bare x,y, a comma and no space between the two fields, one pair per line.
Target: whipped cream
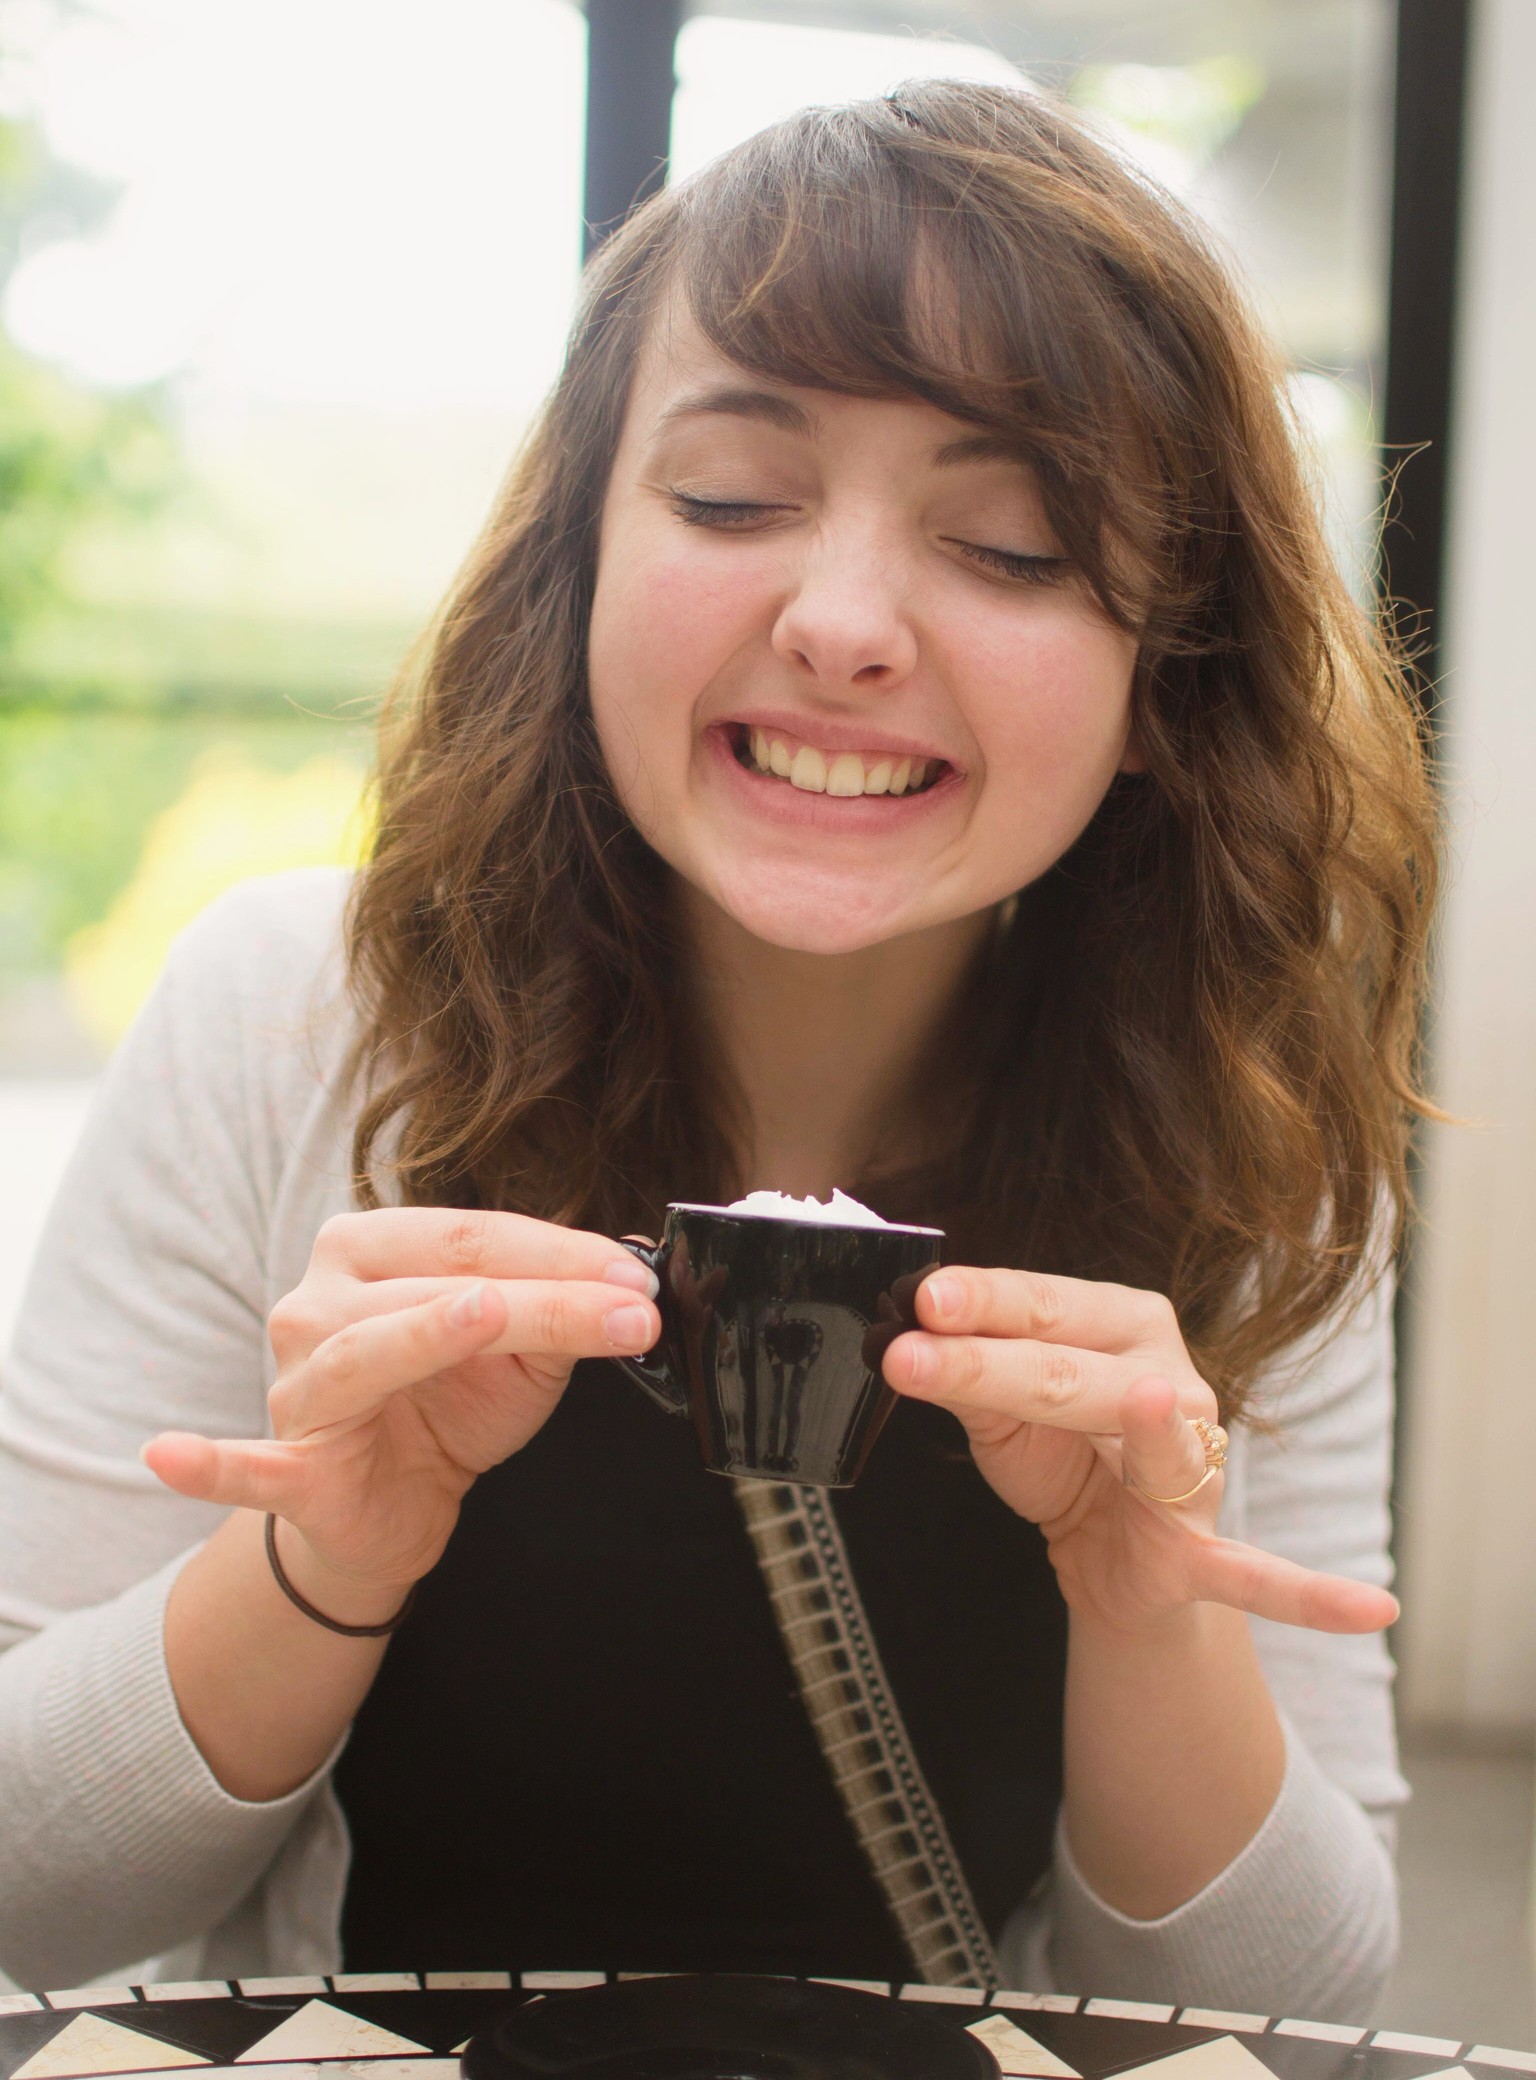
837,1212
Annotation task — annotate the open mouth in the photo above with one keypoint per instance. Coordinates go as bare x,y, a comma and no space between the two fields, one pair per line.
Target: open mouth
840,773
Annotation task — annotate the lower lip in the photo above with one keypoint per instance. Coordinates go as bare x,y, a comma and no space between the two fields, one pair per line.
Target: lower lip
798,808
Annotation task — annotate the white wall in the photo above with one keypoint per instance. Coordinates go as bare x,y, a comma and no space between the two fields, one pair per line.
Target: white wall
1469,1516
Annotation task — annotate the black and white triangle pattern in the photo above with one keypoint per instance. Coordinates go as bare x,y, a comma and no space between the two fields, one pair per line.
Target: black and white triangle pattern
409,2026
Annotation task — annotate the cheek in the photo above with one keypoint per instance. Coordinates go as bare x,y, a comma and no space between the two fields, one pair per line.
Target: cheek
1055,714
665,627
663,623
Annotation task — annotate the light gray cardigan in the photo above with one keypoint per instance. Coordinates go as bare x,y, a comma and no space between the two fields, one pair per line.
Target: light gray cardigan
214,1152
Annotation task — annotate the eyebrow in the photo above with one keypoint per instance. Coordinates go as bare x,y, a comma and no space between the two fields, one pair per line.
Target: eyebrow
978,447
742,402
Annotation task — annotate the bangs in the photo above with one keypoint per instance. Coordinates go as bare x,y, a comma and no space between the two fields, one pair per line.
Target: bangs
812,255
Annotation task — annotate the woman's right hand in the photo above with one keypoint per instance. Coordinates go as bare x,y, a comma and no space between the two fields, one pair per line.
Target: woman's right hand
421,1347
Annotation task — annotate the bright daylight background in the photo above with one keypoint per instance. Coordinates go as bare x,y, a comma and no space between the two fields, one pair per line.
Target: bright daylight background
280,284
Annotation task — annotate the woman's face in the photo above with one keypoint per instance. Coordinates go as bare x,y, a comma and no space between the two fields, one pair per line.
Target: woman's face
843,682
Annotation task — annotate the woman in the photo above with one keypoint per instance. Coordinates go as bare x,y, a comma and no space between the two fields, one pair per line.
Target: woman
902,729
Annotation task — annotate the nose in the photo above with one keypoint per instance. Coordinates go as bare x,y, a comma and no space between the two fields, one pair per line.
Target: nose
844,624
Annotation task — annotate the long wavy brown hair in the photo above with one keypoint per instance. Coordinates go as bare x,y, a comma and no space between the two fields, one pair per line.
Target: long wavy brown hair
1188,1062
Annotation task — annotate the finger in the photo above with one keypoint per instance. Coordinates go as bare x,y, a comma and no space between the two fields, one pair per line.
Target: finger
1267,1586
1162,1453
961,1300
351,1374
239,1473
985,1378
440,1241
354,1300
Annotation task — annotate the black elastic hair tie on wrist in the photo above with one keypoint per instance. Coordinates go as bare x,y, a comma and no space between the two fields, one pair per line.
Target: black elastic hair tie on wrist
331,1624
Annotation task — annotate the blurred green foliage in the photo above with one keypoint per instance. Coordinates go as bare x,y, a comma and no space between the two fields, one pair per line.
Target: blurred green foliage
106,710
78,791
74,795
68,459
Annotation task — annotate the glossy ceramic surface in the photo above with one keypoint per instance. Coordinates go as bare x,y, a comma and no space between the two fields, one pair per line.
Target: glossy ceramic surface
725,2028
772,1337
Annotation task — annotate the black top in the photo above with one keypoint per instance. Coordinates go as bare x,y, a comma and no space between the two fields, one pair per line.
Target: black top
586,1749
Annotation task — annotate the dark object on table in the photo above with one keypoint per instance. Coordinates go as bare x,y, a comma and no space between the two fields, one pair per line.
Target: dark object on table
726,2028
773,1332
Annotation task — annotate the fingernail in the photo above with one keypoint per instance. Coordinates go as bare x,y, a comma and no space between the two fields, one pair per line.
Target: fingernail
919,1362
628,1328
468,1307
944,1295
629,1271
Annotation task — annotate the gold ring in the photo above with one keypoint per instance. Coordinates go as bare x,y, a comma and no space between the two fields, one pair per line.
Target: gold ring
1213,1441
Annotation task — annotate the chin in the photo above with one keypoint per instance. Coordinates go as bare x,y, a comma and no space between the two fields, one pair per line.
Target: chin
815,913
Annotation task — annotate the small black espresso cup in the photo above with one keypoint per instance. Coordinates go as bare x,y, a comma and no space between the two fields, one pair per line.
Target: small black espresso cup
772,1333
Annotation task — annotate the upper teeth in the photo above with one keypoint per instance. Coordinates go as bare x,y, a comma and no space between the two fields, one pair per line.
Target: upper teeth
838,773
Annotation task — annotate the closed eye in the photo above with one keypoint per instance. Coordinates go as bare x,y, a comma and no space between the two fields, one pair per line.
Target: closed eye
1008,563
721,512
740,513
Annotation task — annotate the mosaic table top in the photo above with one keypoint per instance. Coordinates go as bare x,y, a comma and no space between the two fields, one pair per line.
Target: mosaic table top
405,2026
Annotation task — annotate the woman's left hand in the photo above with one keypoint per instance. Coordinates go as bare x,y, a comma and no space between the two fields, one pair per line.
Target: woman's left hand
1078,1399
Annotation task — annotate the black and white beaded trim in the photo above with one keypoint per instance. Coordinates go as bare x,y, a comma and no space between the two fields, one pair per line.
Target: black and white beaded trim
112,2001
858,1725
101,2033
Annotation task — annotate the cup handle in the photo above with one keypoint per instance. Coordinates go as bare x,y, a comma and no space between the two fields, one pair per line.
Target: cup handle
651,1370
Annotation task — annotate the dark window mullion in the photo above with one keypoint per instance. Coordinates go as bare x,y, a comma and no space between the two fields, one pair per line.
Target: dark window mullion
630,80
1427,131
1428,148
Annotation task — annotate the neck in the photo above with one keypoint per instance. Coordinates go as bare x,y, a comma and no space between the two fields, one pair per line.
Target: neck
824,1049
